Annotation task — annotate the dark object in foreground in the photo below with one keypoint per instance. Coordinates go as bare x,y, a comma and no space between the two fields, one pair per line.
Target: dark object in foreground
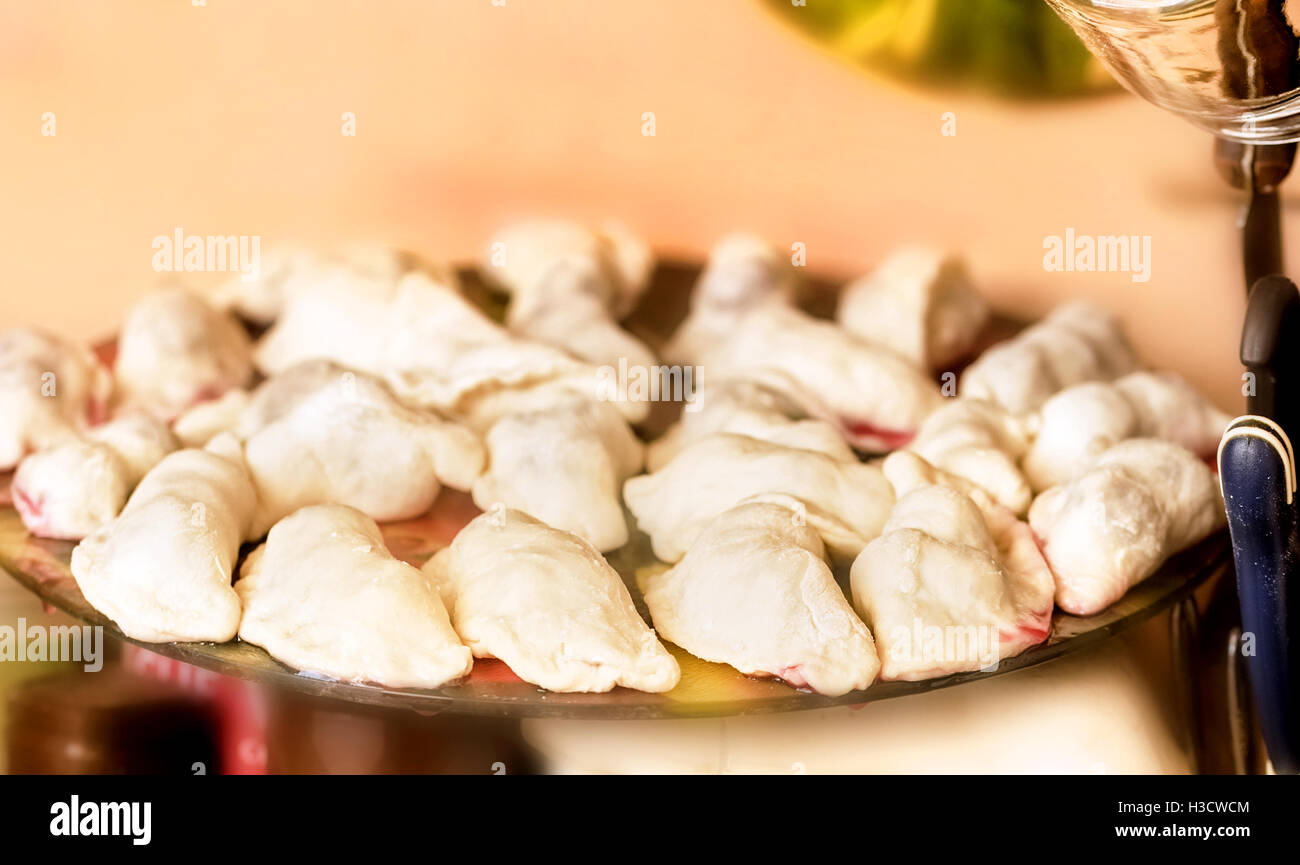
109,722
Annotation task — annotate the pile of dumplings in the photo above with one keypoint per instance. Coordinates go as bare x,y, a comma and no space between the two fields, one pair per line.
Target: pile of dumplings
1057,474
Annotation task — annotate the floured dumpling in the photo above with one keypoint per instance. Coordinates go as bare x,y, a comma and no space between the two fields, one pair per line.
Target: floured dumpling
520,255
744,271
325,596
921,303
568,286
50,389
564,465
284,271
566,308
747,408
175,350
846,502
742,325
1110,528
954,582
431,345
434,348
1083,421
1077,342
982,443
244,413
199,425
547,604
341,313
349,441
754,591
162,569
75,488
448,356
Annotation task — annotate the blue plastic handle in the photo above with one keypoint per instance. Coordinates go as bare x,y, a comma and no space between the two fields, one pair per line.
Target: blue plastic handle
1257,471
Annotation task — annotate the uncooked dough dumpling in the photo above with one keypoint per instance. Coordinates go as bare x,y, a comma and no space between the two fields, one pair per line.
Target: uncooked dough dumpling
244,413
564,465
341,312
50,389
846,502
1110,528
754,591
441,352
350,441
569,286
199,425
284,271
325,596
520,255
748,408
566,308
546,603
921,303
175,350
982,443
70,490
1169,408
75,488
433,347
744,325
1077,342
743,272
1083,421
162,569
954,583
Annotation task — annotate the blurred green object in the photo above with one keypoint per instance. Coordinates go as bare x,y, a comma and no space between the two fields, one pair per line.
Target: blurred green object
1014,48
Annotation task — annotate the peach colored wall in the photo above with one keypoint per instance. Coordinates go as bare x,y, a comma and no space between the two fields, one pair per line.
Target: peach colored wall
225,119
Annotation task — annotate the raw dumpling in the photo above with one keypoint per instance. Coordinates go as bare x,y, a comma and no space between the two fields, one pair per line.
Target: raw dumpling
547,604
751,409
244,413
75,488
49,390
1077,342
982,443
162,569
755,592
349,441
450,357
744,272
1169,408
921,303
743,325
1083,421
284,271
568,286
846,502
875,398
175,351
138,438
954,582
70,490
564,465
325,596
200,424
520,256
342,313
437,350
1109,529
566,308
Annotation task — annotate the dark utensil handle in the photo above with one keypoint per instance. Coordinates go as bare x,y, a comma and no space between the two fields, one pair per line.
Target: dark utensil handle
1257,471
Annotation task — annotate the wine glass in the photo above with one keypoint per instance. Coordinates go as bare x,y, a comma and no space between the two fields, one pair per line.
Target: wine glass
1226,66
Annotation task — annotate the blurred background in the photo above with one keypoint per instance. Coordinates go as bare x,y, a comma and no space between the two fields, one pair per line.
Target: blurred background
820,123
850,126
